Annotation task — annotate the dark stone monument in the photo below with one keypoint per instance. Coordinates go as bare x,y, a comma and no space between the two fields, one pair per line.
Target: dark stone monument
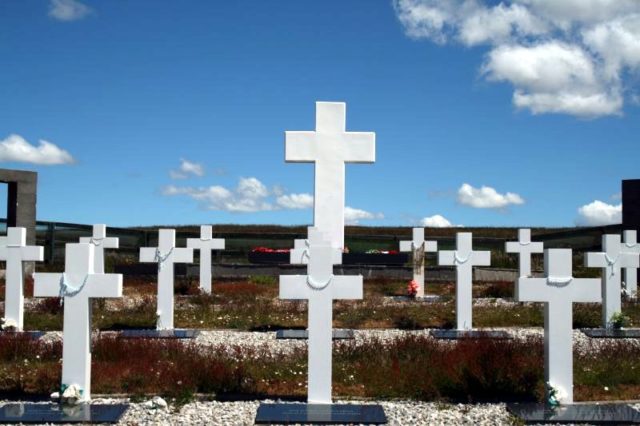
631,204
593,414
176,333
21,200
323,414
47,413
339,334
612,333
470,334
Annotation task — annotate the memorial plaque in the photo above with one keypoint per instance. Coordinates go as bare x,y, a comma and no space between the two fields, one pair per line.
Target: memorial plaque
160,334
320,414
340,334
612,333
598,414
470,334
55,413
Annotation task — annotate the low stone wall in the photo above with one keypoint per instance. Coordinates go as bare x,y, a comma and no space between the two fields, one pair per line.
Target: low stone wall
432,273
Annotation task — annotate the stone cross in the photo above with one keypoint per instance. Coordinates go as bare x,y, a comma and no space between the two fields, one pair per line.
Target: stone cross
464,259
612,259
320,287
165,255
630,276
14,250
205,244
77,285
100,241
330,147
524,247
418,246
558,291
299,255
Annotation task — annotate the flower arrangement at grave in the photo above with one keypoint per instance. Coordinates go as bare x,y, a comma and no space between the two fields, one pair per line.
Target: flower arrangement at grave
269,250
619,321
412,288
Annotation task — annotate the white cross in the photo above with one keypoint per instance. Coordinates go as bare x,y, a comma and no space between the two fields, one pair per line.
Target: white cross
630,276
321,288
330,147
464,259
14,250
77,285
612,259
299,255
524,247
165,255
414,246
205,244
100,240
558,291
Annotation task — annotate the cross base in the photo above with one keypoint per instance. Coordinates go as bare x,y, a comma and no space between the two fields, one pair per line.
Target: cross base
470,334
602,414
612,333
24,413
28,334
160,334
326,414
339,334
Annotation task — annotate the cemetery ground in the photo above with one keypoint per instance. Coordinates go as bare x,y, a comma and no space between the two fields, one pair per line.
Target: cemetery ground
393,356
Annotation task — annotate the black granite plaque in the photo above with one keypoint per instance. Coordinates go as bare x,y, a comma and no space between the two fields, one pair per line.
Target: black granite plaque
29,334
160,334
24,412
470,334
613,333
339,334
598,414
326,414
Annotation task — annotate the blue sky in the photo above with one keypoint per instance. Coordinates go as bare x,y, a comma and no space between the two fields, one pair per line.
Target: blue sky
167,112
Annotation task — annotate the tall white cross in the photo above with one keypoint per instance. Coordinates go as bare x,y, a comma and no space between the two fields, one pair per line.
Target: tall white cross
205,244
165,255
100,240
330,147
558,291
524,247
464,259
299,255
418,246
77,285
14,250
612,259
630,277
321,288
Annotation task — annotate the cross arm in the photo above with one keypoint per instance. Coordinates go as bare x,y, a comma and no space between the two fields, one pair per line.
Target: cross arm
532,290
183,255
104,285
46,284
446,257
294,287
107,242
405,245
629,260
360,147
32,253
148,254
481,258
595,260
299,147
346,287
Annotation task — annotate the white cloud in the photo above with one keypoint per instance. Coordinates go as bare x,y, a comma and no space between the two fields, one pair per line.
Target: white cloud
569,57
68,10
16,149
486,197
436,221
295,201
354,216
599,213
186,169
